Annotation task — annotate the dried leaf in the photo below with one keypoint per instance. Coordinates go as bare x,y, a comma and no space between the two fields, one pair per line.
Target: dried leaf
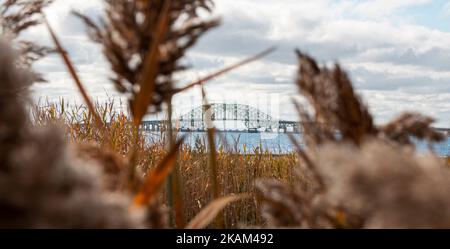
207,214
212,155
74,75
144,41
147,81
156,177
408,125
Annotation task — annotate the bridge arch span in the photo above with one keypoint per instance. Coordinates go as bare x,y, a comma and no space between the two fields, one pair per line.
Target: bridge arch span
252,117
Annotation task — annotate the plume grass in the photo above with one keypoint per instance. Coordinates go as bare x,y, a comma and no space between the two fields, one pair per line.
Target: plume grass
90,166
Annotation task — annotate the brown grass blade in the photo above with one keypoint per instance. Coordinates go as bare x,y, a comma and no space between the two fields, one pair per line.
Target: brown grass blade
207,215
156,178
174,192
71,68
74,74
150,69
178,203
226,69
212,155
212,159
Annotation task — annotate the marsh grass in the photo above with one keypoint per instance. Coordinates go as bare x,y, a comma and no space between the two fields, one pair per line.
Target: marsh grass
355,174
236,173
103,153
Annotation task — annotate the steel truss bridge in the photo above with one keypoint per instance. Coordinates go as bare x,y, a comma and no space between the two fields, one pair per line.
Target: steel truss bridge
253,119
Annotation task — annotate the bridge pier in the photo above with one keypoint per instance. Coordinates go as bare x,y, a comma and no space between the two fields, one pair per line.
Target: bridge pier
151,126
282,127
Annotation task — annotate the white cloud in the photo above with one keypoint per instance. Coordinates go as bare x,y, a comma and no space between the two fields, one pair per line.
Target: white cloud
395,63
399,71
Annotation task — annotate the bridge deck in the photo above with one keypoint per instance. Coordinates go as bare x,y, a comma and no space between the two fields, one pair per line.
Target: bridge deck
295,125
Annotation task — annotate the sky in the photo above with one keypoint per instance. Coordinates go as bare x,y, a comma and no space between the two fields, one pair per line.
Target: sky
397,54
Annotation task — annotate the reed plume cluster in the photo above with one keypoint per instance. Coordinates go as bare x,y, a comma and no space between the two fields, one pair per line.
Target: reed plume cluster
144,41
42,182
16,16
236,172
354,174
72,166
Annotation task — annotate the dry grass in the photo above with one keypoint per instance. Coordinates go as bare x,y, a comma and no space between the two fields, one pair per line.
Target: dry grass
356,175
149,39
235,173
101,173
18,16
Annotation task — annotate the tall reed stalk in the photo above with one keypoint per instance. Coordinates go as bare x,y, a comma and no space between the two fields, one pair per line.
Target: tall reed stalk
212,155
173,185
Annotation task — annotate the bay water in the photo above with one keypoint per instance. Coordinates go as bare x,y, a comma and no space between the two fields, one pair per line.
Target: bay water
276,143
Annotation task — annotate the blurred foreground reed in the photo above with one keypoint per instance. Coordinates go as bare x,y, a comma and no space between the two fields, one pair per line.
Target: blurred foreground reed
89,166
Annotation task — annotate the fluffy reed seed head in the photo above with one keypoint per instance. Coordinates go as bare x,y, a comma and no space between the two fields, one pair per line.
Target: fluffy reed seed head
128,31
410,124
371,176
400,189
42,182
336,105
339,109
16,16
